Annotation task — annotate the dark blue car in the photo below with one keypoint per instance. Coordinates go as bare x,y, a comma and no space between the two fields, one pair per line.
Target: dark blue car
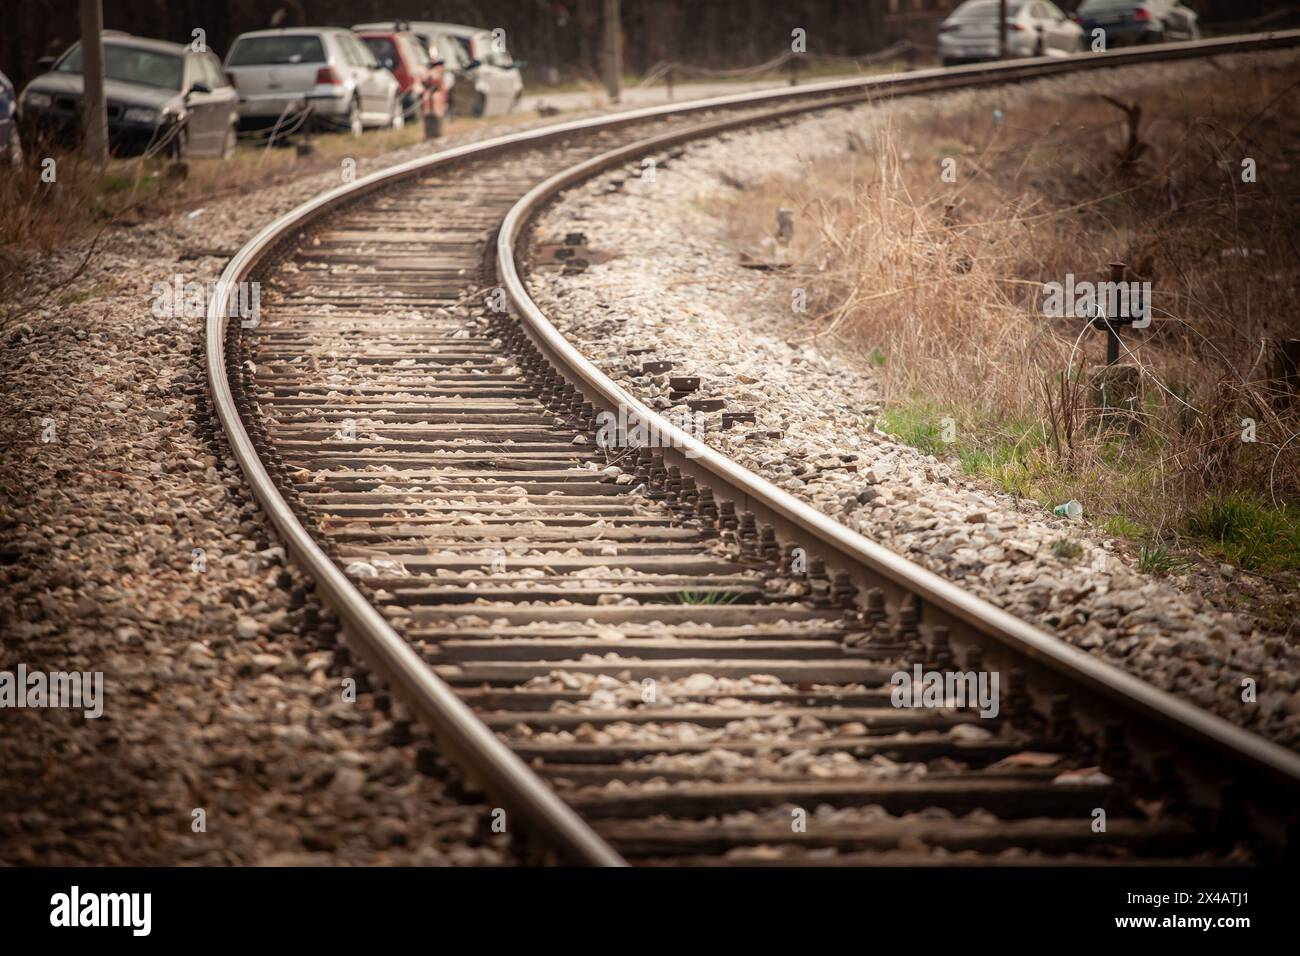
1134,22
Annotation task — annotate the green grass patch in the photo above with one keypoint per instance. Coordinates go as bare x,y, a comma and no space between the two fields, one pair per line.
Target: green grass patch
983,442
1157,559
1121,527
1247,532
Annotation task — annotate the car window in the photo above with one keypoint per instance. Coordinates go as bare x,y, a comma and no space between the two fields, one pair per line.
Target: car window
413,50
216,79
456,50
287,48
984,9
452,49
465,47
132,64
348,54
384,49
361,51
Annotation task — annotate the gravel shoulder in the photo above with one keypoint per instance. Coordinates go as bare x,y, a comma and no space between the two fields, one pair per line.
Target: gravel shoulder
128,546
663,276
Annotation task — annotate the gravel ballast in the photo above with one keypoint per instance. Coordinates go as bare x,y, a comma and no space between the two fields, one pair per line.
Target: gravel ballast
131,548
662,275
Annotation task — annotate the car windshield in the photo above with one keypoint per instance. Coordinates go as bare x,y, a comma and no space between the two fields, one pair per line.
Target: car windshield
131,64
265,51
984,9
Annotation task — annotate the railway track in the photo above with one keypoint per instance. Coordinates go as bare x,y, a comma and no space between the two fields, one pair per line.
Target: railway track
651,654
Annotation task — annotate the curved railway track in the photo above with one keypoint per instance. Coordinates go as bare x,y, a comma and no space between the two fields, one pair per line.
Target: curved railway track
651,654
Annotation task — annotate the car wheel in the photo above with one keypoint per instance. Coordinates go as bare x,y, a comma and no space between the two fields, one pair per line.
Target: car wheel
397,115
354,118
228,144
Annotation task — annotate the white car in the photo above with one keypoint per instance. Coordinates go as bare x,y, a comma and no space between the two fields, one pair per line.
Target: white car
329,67
1034,28
487,78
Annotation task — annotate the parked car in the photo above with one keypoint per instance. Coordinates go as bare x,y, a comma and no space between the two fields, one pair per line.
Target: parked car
1034,28
487,78
1130,22
419,71
158,94
328,68
11,149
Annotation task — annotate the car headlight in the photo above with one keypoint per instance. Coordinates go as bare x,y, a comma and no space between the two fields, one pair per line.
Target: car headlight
38,100
140,114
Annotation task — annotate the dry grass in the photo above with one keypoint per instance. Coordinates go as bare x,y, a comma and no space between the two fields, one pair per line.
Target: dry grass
939,285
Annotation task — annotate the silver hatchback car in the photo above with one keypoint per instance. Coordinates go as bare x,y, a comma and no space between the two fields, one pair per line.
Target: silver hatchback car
1034,28
330,68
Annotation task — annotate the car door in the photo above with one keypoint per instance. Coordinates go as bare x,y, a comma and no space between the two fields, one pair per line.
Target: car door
505,78
203,105
489,73
1179,22
225,109
374,82
1043,27
1059,33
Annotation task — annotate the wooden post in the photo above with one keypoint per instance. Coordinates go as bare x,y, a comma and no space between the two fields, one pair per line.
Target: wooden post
94,109
613,51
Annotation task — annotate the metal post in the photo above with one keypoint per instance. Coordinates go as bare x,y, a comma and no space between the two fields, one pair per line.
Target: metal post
1002,29
613,50
670,84
1112,328
94,109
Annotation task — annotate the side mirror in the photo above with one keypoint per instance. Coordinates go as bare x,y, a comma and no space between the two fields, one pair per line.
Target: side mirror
45,64
198,88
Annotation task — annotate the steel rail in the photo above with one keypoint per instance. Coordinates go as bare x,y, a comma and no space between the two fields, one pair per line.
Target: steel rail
772,504
466,740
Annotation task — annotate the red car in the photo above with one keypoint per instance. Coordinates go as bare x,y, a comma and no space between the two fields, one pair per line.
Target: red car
419,73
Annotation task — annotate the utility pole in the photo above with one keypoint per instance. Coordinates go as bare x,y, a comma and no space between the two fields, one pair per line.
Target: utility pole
94,110
1002,29
613,50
